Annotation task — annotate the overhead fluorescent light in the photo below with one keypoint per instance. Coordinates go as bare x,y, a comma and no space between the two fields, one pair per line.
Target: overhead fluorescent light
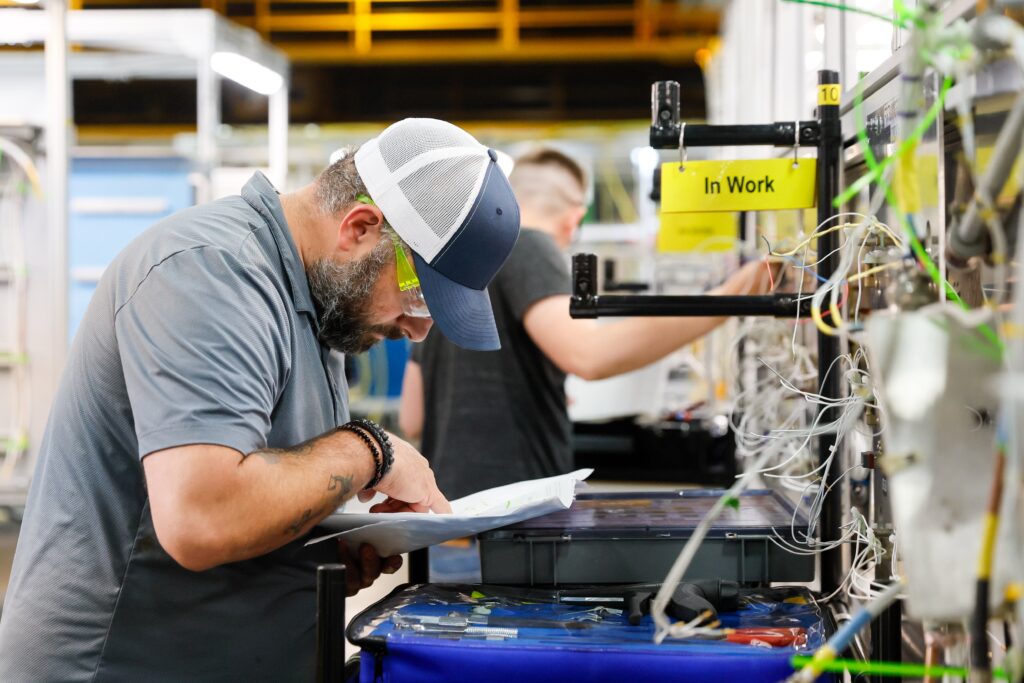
243,70
22,26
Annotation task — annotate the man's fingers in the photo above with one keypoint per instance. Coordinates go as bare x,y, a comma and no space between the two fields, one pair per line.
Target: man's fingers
392,564
370,564
441,505
366,496
353,572
392,505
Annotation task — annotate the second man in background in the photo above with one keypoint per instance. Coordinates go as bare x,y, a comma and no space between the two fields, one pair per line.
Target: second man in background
488,419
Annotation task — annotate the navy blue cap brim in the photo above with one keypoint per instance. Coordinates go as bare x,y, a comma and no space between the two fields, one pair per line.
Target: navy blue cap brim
463,314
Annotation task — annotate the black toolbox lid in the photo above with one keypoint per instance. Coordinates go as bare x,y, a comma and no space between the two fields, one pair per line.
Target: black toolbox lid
662,514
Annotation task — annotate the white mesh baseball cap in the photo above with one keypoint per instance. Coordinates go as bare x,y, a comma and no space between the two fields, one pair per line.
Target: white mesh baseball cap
448,198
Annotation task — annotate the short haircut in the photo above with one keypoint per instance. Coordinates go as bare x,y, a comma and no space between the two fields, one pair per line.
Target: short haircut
549,180
339,185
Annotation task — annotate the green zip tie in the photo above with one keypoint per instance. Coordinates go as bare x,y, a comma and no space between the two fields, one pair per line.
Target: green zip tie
849,8
14,358
889,669
18,443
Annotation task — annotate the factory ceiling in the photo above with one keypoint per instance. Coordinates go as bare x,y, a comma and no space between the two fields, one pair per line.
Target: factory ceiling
461,59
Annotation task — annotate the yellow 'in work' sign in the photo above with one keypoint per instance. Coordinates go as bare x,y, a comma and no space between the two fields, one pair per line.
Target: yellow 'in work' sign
698,232
743,185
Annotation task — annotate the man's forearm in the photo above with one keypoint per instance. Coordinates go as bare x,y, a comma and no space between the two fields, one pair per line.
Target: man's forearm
226,508
297,487
632,344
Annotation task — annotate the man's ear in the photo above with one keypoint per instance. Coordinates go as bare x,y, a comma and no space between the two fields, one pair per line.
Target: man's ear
574,217
359,229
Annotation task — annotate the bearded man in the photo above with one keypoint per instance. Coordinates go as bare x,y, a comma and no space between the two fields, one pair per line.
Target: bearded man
201,428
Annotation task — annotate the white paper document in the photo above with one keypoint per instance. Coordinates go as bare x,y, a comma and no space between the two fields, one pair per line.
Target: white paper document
402,532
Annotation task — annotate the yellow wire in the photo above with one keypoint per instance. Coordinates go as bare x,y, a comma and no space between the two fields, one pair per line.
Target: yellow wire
885,228
988,542
815,235
872,271
822,326
837,317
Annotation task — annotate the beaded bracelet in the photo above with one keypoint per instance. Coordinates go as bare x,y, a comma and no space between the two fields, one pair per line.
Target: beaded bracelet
387,450
378,462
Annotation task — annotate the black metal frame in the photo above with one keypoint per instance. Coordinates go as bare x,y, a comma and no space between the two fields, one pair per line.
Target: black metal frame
823,133
330,623
586,305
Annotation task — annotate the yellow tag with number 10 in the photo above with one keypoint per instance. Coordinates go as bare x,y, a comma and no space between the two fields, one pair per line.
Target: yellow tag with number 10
742,185
829,94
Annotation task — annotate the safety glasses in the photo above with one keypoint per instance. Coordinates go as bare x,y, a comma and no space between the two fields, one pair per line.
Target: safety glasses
413,303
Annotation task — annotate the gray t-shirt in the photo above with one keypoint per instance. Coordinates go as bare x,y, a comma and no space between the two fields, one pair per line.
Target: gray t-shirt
203,330
495,417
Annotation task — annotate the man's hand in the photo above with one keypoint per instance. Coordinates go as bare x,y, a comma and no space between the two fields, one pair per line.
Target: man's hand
752,279
364,567
392,505
410,482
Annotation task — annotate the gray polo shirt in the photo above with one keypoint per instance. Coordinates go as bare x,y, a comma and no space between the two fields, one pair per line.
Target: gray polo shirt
201,331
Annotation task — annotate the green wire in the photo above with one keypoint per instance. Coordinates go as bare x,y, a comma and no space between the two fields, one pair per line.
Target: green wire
890,669
848,8
878,168
876,171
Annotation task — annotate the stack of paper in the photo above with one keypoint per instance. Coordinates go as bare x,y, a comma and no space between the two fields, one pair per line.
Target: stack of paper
402,532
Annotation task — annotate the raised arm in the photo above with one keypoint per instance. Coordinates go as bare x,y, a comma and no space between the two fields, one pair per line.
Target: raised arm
595,351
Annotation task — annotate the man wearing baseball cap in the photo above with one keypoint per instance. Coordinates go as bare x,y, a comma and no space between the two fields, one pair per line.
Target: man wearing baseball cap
201,429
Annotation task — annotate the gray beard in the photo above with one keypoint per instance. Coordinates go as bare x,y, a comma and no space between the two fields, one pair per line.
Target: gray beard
343,293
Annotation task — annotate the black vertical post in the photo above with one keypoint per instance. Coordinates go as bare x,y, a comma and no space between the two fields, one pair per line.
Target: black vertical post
887,637
330,623
419,566
829,150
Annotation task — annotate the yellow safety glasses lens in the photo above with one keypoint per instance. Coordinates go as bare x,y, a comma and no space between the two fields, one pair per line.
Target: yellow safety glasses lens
413,303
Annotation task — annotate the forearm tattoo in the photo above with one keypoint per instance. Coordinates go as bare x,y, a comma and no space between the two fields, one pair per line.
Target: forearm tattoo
339,486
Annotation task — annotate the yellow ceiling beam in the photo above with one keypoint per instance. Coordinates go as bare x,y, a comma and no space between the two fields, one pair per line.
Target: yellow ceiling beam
674,50
658,29
437,20
92,4
312,23
509,34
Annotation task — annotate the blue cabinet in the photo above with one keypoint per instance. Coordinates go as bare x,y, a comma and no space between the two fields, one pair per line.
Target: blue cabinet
112,200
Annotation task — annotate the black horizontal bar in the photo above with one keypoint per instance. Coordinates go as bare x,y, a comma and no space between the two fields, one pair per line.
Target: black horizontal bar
779,134
606,305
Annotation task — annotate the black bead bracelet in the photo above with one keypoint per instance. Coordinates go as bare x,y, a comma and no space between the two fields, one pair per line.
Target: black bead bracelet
384,458
386,448
378,462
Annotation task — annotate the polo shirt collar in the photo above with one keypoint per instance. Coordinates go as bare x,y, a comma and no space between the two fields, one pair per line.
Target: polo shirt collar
265,199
